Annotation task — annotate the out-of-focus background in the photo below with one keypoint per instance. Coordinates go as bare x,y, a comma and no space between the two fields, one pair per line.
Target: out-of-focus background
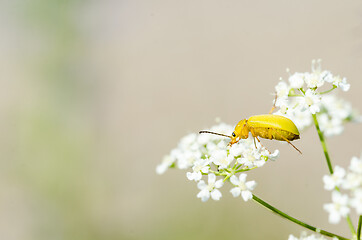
94,93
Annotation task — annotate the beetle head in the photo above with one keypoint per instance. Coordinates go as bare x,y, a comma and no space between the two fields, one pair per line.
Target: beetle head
241,132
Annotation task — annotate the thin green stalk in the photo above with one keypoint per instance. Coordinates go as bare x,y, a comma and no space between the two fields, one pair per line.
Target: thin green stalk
329,163
324,145
359,228
303,224
330,90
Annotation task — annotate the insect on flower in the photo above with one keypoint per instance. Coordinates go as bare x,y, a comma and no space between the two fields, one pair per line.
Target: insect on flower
267,126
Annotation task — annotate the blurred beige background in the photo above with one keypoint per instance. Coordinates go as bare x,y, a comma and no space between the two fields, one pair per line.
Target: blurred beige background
95,93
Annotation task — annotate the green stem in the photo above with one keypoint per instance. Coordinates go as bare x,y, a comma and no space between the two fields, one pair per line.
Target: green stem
330,90
350,224
227,177
359,228
303,224
329,163
295,95
323,142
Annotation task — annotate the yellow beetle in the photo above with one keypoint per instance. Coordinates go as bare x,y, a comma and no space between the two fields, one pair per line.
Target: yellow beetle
265,126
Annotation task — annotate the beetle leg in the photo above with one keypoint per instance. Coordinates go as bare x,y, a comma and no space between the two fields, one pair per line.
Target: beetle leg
285,139
254,136
261,144
273,107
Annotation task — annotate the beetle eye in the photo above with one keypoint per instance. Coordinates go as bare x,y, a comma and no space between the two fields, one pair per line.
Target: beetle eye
234,134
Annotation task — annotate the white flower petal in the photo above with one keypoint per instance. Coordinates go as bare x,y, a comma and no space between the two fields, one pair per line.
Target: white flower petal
296,80
247,195
204,195
216,194
242,177
161,169
219,183
201,185
250,185
211,178
334,218
291,237
235,191
234,180
190,176
328,182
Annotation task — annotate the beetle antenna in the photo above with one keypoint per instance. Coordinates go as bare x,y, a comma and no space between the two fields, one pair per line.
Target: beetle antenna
220,134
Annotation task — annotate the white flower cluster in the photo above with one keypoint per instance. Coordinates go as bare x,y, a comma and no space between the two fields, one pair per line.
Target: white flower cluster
351,181
301,97
209,155
304,236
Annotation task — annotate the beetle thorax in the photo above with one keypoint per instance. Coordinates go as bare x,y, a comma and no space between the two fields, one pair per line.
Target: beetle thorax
242,129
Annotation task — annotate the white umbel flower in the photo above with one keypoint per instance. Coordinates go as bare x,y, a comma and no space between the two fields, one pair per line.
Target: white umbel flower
243,187
338,208
356,165
334,180
210,189
314,80
252,158
356,201
300,97
200,166
305,236
311,100
167,161
220,158
353,180
296,80
330,126
341,83
282,90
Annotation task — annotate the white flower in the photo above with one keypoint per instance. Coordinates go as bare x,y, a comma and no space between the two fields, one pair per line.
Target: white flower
356,165
353,180
282,89
334,180
220,158
242,188
210,189
330,126
202,155
338,208
356,201
165,164
204,139
312,100
252,158
188,141
200,166
314,80
337,110
305,236
316,65
237,149
186,159
215,145
296,80
291,237
341,83
337,107
272,156
327,76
